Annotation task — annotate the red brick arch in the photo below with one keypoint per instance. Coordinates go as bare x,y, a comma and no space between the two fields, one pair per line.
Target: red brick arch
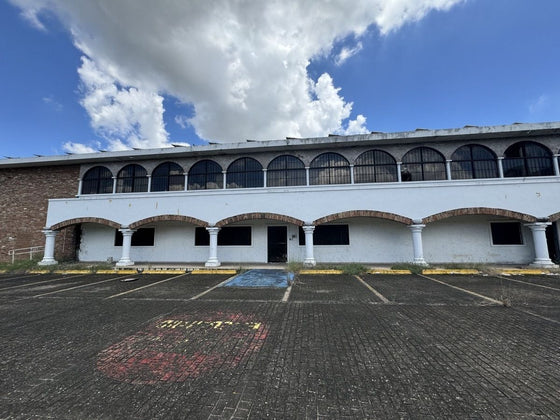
471,211
364,213
256,216
168,218
98,220
554,217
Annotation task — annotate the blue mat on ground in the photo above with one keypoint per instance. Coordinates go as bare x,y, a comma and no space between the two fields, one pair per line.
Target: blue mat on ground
261,278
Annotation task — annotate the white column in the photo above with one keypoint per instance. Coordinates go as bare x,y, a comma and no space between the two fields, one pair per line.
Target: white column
186,181
500,167
126,245
213,249
48,256
264,177
307,175
418,251
114,185
224,174
399,167
351,174
80,184
309,260
555,163
542,258
448,169
149,183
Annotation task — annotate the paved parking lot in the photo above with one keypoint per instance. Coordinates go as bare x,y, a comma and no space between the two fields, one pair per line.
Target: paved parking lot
330,347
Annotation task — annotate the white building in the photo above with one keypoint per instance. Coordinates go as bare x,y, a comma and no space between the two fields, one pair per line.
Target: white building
473,194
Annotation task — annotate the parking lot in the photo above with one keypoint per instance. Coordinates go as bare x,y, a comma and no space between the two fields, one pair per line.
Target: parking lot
84,346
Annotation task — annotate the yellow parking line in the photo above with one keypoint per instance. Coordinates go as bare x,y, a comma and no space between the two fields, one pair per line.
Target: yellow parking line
143,287
40,282
76,287
371,289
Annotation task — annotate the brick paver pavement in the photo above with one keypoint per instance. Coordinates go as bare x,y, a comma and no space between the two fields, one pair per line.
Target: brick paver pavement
334,350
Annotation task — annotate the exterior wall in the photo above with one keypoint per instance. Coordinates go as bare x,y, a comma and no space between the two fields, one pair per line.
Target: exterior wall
536,196
24,195
468,239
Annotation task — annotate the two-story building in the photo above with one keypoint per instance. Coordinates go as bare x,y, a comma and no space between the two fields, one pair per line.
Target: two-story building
467,195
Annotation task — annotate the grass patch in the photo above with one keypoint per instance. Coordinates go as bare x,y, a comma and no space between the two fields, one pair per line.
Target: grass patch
413,268
19,266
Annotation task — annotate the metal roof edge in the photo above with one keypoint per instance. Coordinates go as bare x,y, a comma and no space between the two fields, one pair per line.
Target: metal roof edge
482,132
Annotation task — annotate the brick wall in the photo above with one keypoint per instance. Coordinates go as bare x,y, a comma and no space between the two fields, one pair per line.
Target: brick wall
24,194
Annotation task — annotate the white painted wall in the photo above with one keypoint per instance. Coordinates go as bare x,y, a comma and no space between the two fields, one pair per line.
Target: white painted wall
468,239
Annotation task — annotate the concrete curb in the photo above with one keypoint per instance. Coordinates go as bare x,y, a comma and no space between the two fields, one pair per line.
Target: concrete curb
450,271
214,271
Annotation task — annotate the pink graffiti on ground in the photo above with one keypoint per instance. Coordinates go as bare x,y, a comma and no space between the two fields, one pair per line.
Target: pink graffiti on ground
176,348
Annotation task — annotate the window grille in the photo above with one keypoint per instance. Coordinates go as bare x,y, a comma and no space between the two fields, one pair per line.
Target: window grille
329,168
285,171
245,173
375,166
168,177
473,161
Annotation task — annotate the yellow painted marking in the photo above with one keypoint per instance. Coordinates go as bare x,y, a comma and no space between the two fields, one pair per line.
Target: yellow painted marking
111,271
3,271
177,323
450,271
76,287
40,282
464,290
126,271
320,272
213,287
37,271
529,283
515,271
381,271
371,289
143,287
72,272
213,271
163,271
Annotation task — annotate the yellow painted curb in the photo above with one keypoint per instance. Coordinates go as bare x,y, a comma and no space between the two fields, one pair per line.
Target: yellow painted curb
106,271
524,271
72,272
126,272
450,271
38,271
389,271
320,272
164,272
3,271
214,271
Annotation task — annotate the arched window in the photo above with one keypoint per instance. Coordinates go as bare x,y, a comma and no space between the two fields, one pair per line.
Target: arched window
375,166
527,159
132,178
473,161
245,173
98,180
423,164
329,168
285,171
168,177
205,175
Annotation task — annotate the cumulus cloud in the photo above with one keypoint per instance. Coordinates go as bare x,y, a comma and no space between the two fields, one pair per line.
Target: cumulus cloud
242,64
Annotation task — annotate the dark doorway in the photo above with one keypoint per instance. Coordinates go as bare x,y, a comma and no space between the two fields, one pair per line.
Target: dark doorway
553,242
277,244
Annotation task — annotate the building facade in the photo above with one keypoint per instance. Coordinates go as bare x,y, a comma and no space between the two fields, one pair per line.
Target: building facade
468,195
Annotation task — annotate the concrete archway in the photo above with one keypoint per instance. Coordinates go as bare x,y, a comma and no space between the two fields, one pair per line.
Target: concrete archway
472,211
255,216
79,220
364,213
168,218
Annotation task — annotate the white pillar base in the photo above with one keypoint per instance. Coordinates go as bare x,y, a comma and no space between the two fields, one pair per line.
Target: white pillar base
420,261
309,262
124,263
47,261
543,263
212,263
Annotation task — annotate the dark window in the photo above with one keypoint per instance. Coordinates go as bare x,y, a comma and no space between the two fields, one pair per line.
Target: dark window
142,237
375,166
506,233
527,159
423,164
98,180
473,161
206,175
168,177
327,235
285,171
329,168
132,178
227,236
245,173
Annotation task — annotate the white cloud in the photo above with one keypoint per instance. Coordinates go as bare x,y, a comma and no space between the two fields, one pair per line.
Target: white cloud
53,103
345,53
242,64
72,147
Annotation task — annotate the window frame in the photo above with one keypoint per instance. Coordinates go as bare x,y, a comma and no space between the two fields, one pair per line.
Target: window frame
212,174
320,235
470,167
167,179
136,183
244,177
493,233
327,171
525,159
98,181
202,237
423,165
138,237
286,176
362,175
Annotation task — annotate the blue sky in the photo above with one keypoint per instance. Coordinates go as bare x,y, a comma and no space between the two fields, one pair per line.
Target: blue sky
73,80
